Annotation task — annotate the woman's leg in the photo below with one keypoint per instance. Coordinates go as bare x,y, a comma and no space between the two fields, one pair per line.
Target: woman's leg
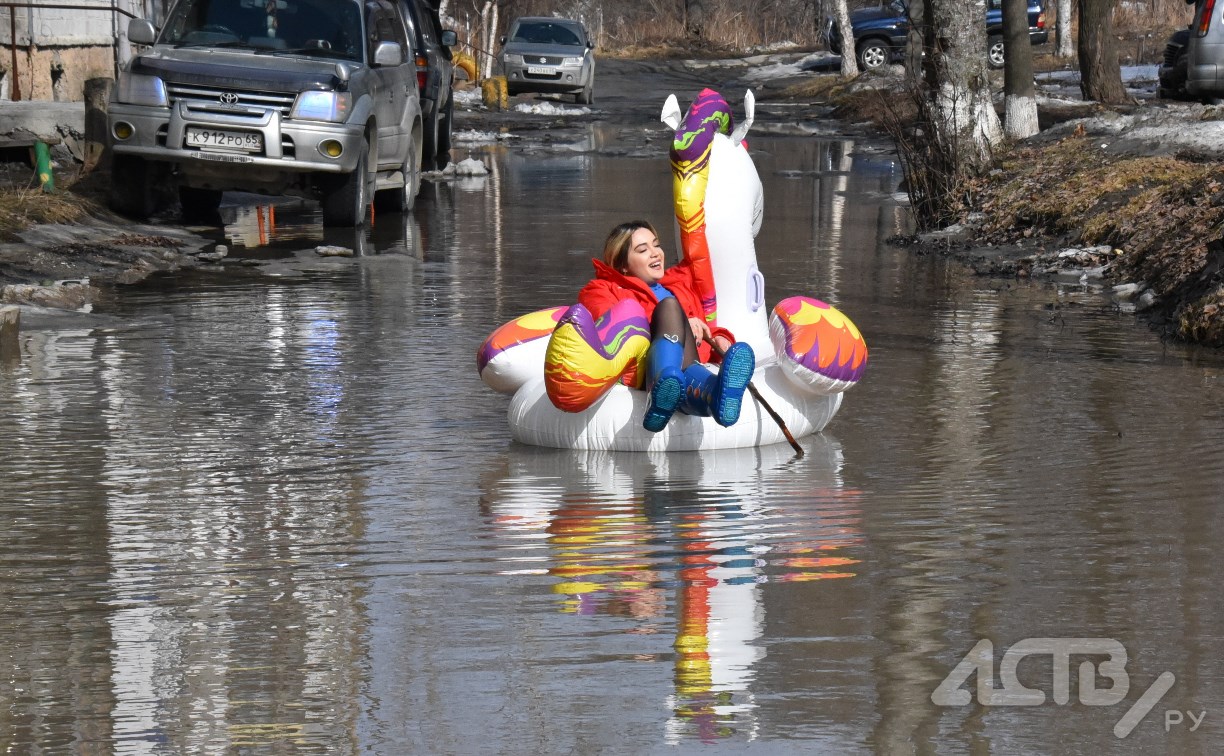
669,353
670,322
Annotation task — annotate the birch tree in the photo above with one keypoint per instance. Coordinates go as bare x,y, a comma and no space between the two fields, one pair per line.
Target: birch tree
1020,100
958,84
849,61
1064,40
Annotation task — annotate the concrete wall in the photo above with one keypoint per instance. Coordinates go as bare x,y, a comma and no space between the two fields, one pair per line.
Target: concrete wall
57,50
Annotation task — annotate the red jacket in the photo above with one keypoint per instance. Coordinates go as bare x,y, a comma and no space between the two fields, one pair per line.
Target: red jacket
609,286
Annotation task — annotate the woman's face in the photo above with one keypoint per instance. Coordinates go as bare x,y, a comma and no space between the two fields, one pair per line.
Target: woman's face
645,258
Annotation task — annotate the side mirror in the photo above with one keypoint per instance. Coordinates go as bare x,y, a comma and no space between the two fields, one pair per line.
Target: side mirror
388,54
502,40
140,32
449,38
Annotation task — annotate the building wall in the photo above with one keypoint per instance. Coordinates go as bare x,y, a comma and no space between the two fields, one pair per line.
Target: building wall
55,73
57,50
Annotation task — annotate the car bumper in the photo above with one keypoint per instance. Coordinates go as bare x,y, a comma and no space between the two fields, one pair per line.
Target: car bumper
529,78
1039,38
289,146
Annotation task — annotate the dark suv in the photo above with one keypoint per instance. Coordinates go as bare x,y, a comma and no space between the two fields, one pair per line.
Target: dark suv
435,74
881,32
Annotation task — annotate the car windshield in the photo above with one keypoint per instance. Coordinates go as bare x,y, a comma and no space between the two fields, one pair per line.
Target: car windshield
328,28
546,33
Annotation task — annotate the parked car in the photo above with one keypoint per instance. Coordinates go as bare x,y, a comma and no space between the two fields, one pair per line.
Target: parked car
1193,65
549,55
882,32
1172,72
310,97
435,75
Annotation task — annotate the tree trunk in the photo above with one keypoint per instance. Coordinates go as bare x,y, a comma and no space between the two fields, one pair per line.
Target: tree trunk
695,18
1100,75
849,61
913,49
1064,41
1020,101
965,120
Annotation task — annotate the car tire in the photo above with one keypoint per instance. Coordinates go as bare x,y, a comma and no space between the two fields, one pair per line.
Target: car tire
346,198
199,204
445,128
132,187
995,52
403,198
873,53
587,95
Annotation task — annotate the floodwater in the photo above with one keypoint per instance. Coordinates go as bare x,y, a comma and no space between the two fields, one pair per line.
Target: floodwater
271,508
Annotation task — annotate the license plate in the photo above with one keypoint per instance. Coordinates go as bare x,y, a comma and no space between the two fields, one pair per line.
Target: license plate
537,71
247,141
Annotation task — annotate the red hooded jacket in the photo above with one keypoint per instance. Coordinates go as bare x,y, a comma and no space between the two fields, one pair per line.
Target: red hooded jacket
610,286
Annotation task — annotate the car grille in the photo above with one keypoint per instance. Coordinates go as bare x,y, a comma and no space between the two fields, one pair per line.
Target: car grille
209,99
542,60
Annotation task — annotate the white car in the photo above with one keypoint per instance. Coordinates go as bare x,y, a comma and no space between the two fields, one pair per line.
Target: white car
541,54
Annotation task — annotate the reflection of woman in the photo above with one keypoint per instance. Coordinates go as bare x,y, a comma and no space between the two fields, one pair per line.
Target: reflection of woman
633,267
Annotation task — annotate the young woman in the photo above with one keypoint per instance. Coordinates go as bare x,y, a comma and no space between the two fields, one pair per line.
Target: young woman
633,267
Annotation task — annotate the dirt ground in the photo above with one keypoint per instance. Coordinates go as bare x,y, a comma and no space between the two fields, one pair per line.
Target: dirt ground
1132,197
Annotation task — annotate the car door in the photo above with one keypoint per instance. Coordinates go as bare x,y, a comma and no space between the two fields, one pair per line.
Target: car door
390,93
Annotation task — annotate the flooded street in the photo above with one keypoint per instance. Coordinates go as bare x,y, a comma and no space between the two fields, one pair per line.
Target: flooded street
268,506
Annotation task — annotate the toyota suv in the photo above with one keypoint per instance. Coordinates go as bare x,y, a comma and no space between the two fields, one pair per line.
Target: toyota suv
882,32
435,76
311,97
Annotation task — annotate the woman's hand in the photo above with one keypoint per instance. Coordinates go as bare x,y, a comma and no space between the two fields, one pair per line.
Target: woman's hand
722,343
701,331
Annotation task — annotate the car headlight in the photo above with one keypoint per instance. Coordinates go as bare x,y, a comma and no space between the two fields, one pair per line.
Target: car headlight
141,89
571,61
319,105
512,60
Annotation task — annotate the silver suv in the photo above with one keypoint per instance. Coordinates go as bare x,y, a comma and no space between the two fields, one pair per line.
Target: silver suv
311,97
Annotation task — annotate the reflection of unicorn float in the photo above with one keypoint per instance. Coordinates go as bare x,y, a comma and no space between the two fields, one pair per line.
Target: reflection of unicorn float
576,382
680,545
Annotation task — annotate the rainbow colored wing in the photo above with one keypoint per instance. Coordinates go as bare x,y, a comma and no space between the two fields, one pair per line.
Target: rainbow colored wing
514,353
585,358
818,347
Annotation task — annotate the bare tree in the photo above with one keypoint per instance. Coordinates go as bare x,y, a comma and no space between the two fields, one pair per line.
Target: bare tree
695,18
1100,74
913,49
1064,46
849,61
1020,100
957,82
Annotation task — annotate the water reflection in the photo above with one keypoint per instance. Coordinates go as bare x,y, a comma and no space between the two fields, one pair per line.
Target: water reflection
679,544
267,506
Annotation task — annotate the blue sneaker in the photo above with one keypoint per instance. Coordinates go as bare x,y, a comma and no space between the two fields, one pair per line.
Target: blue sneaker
665,397
737,366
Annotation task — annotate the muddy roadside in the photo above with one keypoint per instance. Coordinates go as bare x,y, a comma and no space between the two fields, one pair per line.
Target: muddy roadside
1128,198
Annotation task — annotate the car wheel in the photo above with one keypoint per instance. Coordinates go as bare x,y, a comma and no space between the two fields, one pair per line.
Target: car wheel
994,52
132,187
587,95
445,126
346,198
199,204
873,54
403,198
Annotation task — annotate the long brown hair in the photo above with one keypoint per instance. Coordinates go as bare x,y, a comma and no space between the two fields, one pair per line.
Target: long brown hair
616,247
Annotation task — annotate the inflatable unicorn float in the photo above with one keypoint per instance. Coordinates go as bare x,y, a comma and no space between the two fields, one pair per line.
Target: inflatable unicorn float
576,382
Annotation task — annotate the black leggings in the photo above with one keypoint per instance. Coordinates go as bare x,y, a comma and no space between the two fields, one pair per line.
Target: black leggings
670,322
